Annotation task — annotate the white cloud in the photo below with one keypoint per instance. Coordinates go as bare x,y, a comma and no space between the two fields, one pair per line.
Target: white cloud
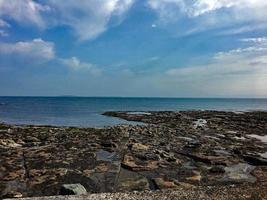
75,64
257,46
23,11
200,7
260,40
241,71
3,23
88,18
206,14
36,49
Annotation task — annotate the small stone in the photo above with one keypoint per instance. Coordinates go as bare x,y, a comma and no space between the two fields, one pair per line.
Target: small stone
10,131
72,189
196,177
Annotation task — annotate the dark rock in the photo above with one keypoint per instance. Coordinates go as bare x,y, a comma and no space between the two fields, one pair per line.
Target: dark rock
131,181
255,160
217,169
193,144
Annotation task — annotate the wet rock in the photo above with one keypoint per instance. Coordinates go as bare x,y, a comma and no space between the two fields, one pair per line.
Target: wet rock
256,160
109,145
193,144
72,189
105,155
147,156
217,169
239,173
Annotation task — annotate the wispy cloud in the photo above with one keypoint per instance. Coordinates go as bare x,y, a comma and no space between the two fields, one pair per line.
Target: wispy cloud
207,14
36,50
88,19
24,11
74,63
238,72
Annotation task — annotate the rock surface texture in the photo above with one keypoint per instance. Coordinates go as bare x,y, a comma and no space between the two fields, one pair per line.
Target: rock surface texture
209,154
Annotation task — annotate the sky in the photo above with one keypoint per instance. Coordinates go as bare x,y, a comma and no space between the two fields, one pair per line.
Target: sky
133,48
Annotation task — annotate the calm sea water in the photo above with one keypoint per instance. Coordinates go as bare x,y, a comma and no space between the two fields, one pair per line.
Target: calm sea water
86,112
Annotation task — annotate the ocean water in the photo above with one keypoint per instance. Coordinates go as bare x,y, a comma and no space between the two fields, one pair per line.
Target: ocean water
86,112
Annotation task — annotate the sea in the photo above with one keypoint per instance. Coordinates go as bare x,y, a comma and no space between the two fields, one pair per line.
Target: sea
87,111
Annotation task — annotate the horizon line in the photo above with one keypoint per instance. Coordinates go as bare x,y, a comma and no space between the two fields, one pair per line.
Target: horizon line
148,97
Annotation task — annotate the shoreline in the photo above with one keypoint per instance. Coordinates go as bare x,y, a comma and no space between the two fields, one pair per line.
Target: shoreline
174,150
109,114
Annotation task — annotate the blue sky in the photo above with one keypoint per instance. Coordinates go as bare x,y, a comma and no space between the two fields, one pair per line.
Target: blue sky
157,48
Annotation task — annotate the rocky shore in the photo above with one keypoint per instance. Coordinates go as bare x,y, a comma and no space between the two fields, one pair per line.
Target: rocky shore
210,151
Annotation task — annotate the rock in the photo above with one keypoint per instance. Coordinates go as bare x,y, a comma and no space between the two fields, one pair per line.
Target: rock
216,160
185,185
31,139
193,144
162,184
10,131
239,173
139,147
217,169
107,144
13,194
200,123
255,160
147,156
72,189
102,155
9,143
130,163
197,177
131,181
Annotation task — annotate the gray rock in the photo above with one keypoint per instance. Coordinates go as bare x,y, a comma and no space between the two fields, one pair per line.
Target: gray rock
239,173
72,189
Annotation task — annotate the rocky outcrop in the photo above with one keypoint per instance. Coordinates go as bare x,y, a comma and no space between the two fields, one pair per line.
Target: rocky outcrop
172,150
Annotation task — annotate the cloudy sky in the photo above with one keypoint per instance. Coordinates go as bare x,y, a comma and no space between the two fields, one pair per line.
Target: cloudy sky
170,48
